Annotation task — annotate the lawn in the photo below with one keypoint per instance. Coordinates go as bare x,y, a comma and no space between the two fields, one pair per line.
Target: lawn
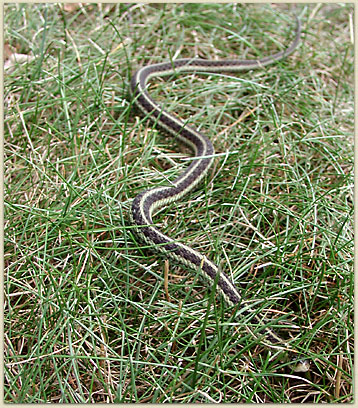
94,315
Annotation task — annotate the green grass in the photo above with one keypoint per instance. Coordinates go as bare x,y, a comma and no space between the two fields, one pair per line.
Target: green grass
86,315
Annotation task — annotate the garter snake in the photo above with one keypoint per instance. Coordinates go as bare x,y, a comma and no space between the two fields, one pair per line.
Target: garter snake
147,202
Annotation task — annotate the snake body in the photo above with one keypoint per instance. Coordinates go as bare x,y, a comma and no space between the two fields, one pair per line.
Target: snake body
147,202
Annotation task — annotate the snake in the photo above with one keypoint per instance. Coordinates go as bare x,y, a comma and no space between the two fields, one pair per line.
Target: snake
148,202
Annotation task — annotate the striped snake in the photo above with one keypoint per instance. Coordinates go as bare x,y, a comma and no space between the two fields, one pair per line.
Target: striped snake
147,202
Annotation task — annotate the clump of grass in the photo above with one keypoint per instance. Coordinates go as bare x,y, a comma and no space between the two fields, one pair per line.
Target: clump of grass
87,316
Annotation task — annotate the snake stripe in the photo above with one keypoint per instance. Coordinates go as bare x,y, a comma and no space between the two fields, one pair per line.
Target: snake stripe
148,202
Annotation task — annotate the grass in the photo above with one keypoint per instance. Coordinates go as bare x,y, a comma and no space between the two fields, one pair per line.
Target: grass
87,317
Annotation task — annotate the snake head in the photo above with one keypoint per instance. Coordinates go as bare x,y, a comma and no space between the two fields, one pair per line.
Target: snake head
299,364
